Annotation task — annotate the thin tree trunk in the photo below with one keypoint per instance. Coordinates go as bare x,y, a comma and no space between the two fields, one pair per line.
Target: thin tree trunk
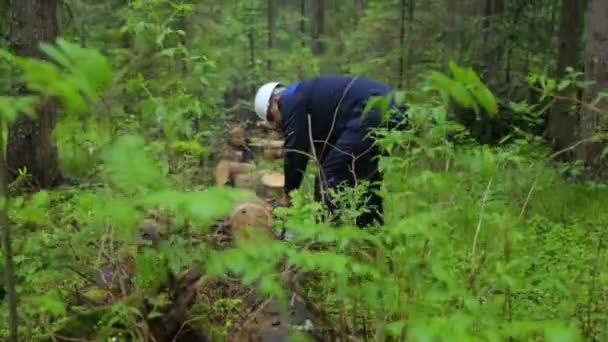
410,36
4,24
493,11
562,121
554,7
303,22
401,45
318,26
452,29
9,277
252,66
181,63
30,144
596,70
517,14
359,10
270,23
486,32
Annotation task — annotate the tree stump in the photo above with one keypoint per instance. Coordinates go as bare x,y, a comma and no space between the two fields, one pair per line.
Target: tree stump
273,183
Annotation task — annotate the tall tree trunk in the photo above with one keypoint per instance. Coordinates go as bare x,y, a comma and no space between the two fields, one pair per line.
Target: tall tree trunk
270,19
492,17
452,29
30,144
359,9
4,24
410,36
303,22
562,121
252,56
9,272
401,45
318,27
515,21
596,70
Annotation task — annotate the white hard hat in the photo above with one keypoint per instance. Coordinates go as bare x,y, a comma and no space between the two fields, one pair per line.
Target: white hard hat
262,99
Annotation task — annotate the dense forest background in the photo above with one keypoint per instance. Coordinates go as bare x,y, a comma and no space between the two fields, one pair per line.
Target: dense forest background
495,196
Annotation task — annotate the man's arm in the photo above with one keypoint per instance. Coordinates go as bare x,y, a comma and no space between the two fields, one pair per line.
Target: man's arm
297,142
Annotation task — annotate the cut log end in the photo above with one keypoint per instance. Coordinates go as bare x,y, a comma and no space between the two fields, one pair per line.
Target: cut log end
227,171
251,218
272,184
273,180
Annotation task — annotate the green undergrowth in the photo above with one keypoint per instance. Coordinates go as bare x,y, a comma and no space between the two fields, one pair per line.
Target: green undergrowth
480,243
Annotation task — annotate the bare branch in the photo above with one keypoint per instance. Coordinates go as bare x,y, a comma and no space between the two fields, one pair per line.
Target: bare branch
481,212
570,148
333,122
523,208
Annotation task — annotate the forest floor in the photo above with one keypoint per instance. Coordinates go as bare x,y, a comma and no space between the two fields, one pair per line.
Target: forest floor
238,310
479,242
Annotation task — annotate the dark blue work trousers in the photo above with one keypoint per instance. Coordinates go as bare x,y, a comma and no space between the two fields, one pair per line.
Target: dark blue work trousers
348,160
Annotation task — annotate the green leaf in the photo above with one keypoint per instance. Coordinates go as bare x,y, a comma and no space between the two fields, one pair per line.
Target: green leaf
7,56
50,303
11,107
521,107
379,103
485,98
394,329
560,333
563,84
96,294
454,89
130,170
202,207
192,146
78,76
55,54
459,73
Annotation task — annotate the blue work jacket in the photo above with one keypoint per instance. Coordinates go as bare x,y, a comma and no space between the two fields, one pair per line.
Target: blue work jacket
331,102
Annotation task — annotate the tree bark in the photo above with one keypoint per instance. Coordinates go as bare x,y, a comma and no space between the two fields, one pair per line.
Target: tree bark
30,144
596,70
493,12
270,19
410,37
515,21
318,26
402,45
303,22
359,9
4,13
562,121
9,276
